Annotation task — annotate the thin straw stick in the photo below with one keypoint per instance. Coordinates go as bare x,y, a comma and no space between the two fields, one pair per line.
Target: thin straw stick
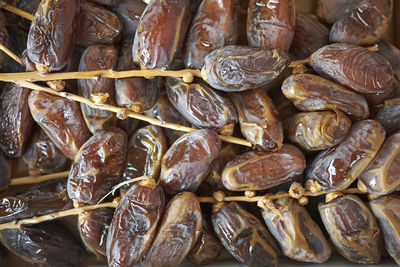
17,11
38,179
10,54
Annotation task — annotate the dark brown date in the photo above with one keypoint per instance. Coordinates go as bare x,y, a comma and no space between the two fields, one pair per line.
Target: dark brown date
352,229
202,106
177,233
258,118
129,13
388,114
381,177
309,36
364,23
47,243
106,2
5,173
188,161
15,120
237,68
3,257
52,34
93,228
386,211
97,25
43,198
244,236
284,106
317,130
4,40
255,170
330,11
98,57
134,224
129,125
336,168
353,66
309,92
42,155
98,166
299,237
214,26
392,54
62,121
17,42
161,32
271,23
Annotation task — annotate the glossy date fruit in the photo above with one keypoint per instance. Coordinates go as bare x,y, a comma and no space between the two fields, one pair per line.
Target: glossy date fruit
161,32
386,211
98,166
388,114
299,237
134,224
214,26
353,66
202,106
392,54
177,233
129,13
258,118
188,161
309,92
336,168
244,236
256,170
98,57
52,34
330,11
237,68
62,121
317,130
352,229
271,23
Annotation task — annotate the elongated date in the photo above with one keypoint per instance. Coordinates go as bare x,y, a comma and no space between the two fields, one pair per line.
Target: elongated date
134,224
388,114
330,11
258,118
237,68
62,121
98,165
244,236
177,233
317,130
129,13
392,54
202,106
352,229
188,161
299,237
353,66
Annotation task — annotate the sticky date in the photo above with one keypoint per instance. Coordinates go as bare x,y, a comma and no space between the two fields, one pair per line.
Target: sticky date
388,114
129,13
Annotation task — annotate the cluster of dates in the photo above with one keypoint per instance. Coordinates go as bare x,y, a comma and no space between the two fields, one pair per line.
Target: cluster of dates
341,117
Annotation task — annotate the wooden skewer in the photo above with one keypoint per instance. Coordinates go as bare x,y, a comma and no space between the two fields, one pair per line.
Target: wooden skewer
16,11
38,179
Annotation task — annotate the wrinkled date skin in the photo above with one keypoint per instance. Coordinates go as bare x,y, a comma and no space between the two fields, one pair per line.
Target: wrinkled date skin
97,25
188,161
145,151
364,24
44,198
202,106
161,32
271,23
93,228
214,26
381,177
47,243
129,13
15,120
392,54
177,233
309,92
62,121
318,130
330,11
5,173
309,36
353,66
237,68
336,168
258,118
98,57
52,34
134,224
388,114
256,170
244,236
299,237
352,229
386,211
98,166
42,155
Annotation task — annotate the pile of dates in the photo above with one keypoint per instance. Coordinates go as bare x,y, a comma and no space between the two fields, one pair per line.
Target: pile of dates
316,95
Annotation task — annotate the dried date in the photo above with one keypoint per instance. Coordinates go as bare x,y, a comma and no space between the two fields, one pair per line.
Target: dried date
5,39
5,173
129,13
392,54
332,10
388,114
